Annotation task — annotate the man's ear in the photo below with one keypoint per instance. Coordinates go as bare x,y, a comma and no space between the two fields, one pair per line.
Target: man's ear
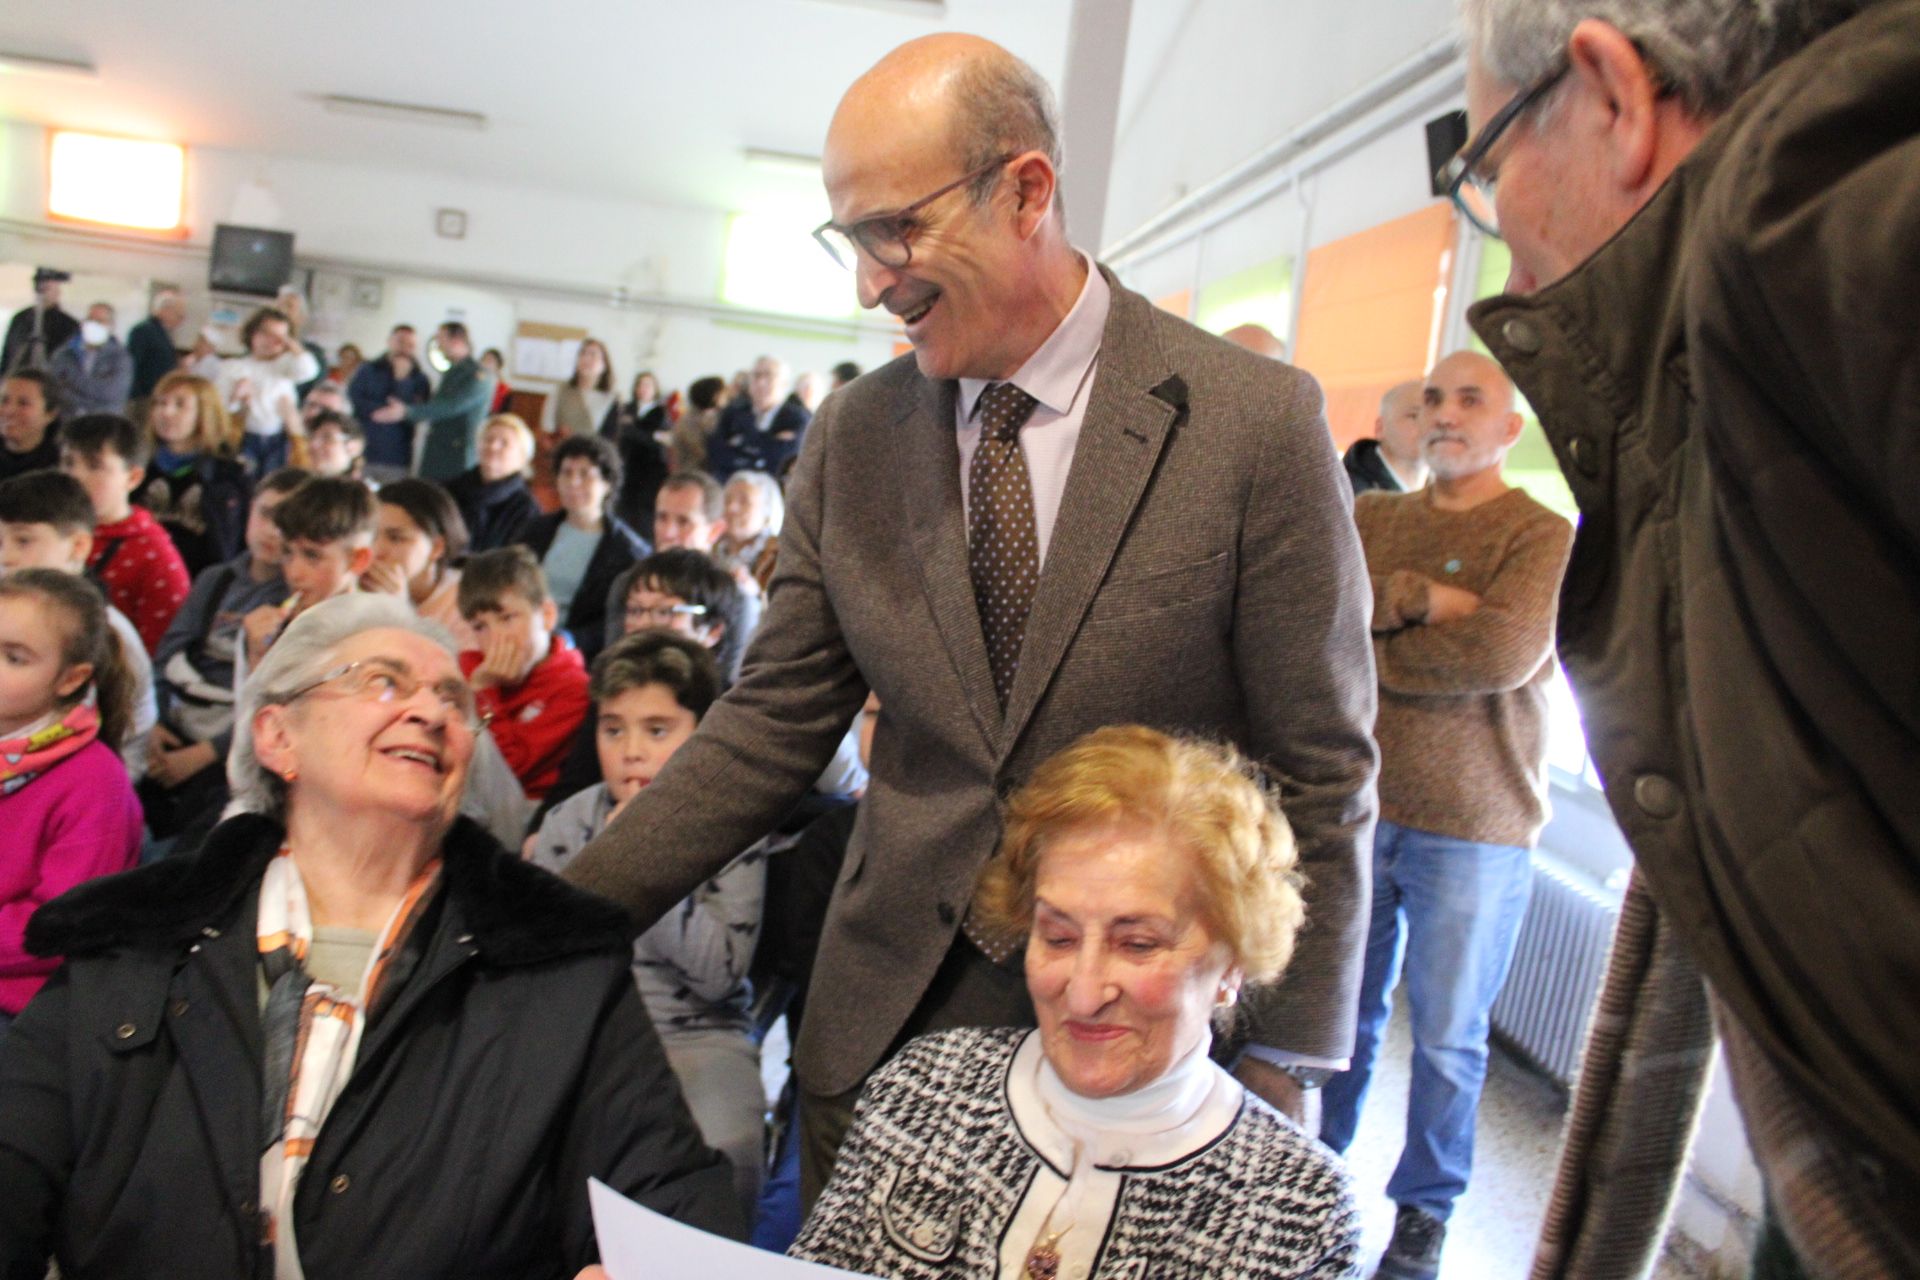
359,561
713,633
1515,425
1612,69
1034,183
135,476
549,613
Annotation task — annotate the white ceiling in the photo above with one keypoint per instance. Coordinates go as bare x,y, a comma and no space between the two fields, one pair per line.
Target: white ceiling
636,99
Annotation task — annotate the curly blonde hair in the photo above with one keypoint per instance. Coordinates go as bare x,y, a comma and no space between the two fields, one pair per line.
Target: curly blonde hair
1203,798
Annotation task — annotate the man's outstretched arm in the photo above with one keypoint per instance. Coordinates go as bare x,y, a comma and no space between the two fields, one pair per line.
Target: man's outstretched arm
761,746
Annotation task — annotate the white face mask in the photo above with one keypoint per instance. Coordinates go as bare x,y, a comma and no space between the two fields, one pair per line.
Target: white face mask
93,333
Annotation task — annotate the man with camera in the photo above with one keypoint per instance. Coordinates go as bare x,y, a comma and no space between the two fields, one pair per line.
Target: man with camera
41,329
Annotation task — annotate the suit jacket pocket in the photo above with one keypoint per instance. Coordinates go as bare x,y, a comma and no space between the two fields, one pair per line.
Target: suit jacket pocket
1132,593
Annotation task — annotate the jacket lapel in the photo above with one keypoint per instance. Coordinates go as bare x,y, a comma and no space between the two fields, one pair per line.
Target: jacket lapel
1131,407
928,455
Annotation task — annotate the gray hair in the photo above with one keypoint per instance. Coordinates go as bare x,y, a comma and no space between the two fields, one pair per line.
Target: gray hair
1003,107
1709,51
772,501
302,654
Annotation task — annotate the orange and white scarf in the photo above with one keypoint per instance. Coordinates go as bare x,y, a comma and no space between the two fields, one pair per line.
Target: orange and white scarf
312,1036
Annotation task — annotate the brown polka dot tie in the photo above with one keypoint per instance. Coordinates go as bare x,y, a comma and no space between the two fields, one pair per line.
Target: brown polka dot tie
1003,546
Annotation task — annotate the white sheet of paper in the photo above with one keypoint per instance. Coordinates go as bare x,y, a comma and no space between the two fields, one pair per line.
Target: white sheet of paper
638,1244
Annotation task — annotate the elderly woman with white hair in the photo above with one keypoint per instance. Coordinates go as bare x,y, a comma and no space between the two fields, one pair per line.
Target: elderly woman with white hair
350,1036
755,510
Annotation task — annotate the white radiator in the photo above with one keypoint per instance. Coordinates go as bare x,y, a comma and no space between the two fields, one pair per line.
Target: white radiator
1557,968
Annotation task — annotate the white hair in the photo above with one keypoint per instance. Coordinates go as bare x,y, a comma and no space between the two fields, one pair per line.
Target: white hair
1708,51
772,501
302,654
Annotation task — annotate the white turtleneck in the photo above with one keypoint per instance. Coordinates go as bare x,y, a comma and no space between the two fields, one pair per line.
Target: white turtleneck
1086,1145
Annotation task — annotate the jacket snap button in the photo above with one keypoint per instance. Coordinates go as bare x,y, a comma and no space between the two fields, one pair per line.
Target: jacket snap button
947,914
209,932
340,1184
1656,796
1522,336
126,1031
1586,455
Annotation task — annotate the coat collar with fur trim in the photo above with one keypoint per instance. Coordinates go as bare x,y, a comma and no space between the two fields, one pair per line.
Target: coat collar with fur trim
515,912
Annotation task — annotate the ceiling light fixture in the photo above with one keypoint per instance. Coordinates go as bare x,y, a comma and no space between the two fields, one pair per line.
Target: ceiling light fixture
933,9
34,64
783,161
346,105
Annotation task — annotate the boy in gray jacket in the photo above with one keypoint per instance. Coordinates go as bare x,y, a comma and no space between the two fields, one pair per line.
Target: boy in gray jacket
650,690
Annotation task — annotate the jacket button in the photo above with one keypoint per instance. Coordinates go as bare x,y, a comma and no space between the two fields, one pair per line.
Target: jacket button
1656,796
126,1031
179,1007
1523,336
947,914
209,932
340,1184
1586,455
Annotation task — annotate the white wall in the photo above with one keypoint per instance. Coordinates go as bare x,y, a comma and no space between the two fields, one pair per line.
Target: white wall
525,239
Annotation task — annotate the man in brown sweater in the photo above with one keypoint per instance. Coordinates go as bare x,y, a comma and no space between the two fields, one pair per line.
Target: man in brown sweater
1466,576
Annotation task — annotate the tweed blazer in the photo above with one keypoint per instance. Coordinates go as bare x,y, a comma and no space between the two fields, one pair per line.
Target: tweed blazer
937,1164
1204,577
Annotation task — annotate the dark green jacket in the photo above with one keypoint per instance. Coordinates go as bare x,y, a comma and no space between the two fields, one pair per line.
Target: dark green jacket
454,414
1732,386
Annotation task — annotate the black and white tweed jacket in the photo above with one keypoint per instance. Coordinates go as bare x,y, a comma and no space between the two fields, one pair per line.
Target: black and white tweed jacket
936,1167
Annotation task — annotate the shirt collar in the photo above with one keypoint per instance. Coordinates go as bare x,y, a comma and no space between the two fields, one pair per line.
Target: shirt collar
1055,373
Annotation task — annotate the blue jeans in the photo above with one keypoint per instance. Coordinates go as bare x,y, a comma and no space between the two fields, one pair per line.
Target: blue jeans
1451,910
264,454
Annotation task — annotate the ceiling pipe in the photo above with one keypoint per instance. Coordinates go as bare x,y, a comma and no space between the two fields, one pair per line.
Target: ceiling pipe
1188,216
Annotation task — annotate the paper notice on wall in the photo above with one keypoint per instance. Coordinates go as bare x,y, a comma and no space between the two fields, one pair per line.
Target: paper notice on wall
638,1244
545,352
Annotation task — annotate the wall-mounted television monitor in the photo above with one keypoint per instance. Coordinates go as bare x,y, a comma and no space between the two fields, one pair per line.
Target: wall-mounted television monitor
250,260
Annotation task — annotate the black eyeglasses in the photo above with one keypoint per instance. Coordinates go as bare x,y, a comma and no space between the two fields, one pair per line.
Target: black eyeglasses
1472,191
885,237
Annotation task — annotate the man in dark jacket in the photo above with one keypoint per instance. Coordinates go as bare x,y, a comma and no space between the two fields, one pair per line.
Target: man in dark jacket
453,413
1714,311
394,376
150,343
760,431
1390,460
36,332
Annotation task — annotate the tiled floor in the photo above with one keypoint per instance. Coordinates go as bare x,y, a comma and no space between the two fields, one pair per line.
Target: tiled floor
1491,1234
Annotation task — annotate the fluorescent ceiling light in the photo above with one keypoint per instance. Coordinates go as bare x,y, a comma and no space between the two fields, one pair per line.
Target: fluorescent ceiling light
33,63
122,182
934,9
784,161
347,105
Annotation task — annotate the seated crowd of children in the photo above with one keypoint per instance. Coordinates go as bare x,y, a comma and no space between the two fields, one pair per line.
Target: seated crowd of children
159,563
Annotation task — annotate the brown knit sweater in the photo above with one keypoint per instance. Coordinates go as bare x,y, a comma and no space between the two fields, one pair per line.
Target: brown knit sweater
1463,705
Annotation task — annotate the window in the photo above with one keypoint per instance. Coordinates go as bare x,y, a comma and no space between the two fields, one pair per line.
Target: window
120,182
773,264
1261,295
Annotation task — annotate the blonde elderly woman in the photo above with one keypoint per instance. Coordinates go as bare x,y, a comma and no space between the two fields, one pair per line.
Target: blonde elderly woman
493,495
351,1036
1150,878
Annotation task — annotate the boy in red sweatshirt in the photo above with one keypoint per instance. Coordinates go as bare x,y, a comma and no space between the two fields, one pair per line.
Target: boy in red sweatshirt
133,557
529,680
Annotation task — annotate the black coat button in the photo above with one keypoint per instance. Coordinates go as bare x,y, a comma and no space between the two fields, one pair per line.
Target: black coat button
126,1031
1586,456
947,914
340,1184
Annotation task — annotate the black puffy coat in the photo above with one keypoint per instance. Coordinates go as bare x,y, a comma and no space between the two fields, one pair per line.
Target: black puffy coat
514,1062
